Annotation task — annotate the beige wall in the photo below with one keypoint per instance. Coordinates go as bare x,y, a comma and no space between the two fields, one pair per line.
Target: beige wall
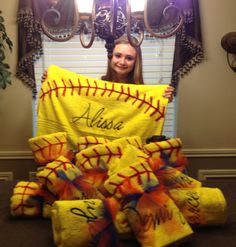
15,101
206,115
206,97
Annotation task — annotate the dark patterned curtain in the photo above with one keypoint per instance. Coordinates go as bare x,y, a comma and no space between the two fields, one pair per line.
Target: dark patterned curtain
29,40
30,47
188,45
188,49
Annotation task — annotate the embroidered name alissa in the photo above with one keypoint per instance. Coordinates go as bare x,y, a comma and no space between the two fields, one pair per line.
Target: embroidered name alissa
97,120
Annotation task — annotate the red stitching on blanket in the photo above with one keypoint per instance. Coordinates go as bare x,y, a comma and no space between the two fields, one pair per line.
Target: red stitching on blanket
22,205
96,88
72,87
49,85
49,146
145,158
55,84
135,143
104,90
138,174
64,165
88,87
87,142
96,157
64,88
128,95
170,149
79,86
93,88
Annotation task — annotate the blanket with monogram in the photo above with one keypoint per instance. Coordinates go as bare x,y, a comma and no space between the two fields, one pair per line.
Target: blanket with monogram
83,106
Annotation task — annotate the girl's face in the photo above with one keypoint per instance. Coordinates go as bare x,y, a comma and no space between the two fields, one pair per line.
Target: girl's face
123,60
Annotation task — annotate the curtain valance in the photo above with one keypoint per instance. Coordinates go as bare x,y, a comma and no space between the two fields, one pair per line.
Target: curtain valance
188,50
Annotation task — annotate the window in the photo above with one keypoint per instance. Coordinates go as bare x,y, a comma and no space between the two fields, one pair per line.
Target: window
92,62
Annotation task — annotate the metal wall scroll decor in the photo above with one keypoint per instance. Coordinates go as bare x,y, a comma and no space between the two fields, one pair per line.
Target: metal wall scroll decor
108,20
228,42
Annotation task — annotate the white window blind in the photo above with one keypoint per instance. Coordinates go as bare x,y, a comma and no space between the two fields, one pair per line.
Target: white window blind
92,62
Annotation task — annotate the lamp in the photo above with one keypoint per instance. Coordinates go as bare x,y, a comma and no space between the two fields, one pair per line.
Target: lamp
110,19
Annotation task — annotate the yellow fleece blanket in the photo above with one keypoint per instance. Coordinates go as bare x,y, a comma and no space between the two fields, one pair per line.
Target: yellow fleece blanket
83,106
71,221
84,223
201,206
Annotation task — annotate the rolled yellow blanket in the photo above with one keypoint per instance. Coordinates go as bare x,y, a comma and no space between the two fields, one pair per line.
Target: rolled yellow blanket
171,149
47,148
95,161
59,177
155,219
201,206
82,223
135,178
130,154
25,200
171,177
99,156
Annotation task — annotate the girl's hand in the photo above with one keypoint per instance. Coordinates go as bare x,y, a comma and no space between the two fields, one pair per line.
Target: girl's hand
44,76
169,93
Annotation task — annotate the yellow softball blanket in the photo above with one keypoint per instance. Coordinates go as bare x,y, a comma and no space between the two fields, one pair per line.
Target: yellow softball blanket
83,106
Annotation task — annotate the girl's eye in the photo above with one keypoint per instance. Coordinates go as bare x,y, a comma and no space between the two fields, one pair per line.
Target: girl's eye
129,58
117,55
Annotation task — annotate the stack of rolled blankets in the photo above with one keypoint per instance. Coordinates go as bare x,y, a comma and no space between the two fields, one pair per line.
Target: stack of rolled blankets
107,191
